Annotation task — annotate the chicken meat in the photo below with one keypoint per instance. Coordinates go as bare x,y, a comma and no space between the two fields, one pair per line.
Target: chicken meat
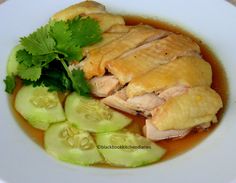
196,106
151,55
189,71
90,9
97,59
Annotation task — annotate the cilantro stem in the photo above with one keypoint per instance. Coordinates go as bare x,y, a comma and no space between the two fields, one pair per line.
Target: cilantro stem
67,69
78,80
69,73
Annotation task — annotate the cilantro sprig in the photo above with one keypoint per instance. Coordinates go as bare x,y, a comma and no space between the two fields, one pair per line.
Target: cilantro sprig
49,50
10,83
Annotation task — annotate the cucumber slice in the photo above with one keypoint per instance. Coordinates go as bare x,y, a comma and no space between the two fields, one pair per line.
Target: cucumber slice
92,115
12,63
69,144
128,149
39,107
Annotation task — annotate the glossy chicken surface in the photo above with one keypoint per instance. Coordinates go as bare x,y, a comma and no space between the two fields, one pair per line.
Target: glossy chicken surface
106,38
83,8
149,56
97,59
104,86
90,9
188,71
153,133
196,106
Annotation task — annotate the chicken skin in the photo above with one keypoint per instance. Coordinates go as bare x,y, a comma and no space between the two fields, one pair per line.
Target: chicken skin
188,71
149,56
196,106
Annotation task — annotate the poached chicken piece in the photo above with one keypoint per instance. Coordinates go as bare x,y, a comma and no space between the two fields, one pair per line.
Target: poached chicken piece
83,8
141,104
106,38
189,71
106,20
192,71
151,132
196,106
97,59
150,56
91,9
119,28
104,85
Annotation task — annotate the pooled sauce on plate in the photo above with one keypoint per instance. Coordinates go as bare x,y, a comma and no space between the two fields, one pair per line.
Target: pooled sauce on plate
173,147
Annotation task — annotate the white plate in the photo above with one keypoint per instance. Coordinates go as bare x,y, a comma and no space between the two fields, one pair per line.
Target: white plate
214,160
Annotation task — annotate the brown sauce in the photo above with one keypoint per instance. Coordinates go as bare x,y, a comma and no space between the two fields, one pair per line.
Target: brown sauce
173,147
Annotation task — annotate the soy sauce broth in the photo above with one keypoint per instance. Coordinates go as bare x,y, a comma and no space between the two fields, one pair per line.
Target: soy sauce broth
174,147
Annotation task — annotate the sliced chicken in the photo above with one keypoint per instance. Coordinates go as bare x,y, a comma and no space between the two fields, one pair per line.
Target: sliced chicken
176,110
104,85
98,58
106,20
149,56
203,126
141,104
106,38
152,133
118,101
118,28
172,92
189,71
83,8
196,106
145,103
93,10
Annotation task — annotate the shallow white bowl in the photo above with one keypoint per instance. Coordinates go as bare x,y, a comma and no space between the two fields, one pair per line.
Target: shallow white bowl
213,161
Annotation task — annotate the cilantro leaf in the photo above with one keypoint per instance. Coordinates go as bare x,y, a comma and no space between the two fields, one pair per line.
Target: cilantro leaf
62,83
79,83
43,60
66,82
23,57
30,73
54,77
10,84
61,33
73,52
39,42
85,31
